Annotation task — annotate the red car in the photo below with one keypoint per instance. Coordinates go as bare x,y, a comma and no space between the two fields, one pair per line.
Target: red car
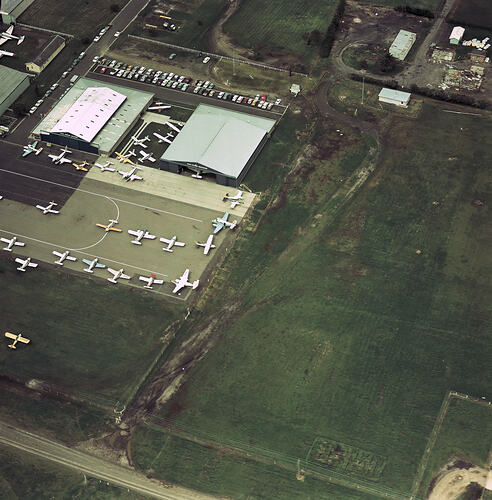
103,69
263,97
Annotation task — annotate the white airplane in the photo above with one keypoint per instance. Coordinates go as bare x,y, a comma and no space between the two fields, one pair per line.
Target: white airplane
139,235
25,263
150,281
182,281
60,158
170,243
235,200
11,243
109,227
140,142
159,106
7,35
130,175
6,53
16,338
63,256
161,138
207,245
31,148
221,222
92,264
146,156
105,167
176,129
125,158
116,275
48,209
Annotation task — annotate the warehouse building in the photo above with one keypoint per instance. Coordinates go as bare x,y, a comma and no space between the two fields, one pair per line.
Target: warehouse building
12,9
220,142
48,52
13,84
456,35
395,97
93,116
402,44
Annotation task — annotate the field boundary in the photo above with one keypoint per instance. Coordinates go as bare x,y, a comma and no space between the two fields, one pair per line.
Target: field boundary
45,29
435,432
218,56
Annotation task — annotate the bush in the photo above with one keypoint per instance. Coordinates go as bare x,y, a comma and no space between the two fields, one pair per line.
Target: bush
415,11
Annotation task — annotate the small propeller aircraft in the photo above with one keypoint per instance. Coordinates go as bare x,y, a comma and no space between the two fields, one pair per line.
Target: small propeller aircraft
25,263
235,200
159,106
16,338
116,275
8,35
139,235
131,175
109,226
60,158
48,209
81,166
105,167
221,222
182,281
146,156
92,264
176,129
150,281
207,245
161,138
171,243
140,142
63,256
31,148
11,243
125,158
6,53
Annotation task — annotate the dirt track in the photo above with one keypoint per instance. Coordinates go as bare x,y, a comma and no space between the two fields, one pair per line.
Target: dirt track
453,483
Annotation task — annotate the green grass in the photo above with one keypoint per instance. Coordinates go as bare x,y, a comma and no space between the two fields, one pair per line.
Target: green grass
345,332
47,481
279,29
476,13
464,435
88,338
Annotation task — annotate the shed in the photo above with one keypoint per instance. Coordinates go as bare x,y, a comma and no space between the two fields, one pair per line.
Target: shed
402,44
456,35
14,83
395,97
48,52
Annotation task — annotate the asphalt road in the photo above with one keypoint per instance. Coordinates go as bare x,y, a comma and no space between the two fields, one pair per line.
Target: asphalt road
93,466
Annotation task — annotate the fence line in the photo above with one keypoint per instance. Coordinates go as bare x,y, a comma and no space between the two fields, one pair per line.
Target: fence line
45,29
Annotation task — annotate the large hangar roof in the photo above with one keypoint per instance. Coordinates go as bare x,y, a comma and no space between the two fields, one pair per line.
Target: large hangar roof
219,139
90,112
11,79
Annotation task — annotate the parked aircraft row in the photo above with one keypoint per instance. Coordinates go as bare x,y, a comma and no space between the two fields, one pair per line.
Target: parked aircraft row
6,36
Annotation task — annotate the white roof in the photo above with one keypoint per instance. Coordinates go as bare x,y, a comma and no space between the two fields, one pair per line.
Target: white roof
457,32
395,95
89,113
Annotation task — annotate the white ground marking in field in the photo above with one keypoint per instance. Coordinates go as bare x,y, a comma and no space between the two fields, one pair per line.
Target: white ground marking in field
124,264
101,195
105,234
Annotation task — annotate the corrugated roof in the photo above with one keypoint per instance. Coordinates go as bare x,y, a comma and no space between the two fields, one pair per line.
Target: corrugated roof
9,5
52,46
218,139
90,112
402,44
10,78
457,32
396,95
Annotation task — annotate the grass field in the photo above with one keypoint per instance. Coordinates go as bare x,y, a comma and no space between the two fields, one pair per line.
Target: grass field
345,332
49,481
88,338
464,435
477,13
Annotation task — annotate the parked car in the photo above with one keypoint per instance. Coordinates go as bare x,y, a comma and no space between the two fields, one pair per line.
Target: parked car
172,56
97,38
95,59
278,101
205,61
117,34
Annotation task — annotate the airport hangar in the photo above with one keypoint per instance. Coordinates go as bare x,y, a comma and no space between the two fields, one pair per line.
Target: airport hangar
218,141
93,116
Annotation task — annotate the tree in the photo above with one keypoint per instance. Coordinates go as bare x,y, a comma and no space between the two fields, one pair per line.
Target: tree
114,7
19,108
315,37
86,40
387,63
473,491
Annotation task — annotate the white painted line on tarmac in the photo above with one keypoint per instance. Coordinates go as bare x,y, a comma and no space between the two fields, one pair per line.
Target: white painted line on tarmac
103,195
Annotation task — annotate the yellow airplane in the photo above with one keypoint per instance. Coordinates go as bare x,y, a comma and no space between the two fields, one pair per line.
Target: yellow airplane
81,166
16,338
125,158
110,227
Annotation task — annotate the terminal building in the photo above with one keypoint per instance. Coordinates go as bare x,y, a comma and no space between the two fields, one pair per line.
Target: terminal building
13,85
93,116
218,141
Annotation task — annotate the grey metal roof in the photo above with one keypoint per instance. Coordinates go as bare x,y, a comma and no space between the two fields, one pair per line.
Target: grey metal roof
10,78
90,112
395,95
9,5
52,46
402,44
218,139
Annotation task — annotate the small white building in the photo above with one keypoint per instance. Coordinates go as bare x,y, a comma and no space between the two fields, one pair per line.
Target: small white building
402,44
456,35
395,97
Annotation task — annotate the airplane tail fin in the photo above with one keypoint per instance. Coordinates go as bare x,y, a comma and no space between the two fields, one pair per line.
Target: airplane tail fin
21,39
20,269
195,284
135,242
88,270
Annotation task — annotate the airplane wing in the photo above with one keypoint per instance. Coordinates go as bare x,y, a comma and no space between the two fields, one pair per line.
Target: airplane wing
147,280
58,254
23,339
27,152
11,335
185,276
151,158
218,227
149,236
165,240
125,276
158,282
225,217
86,261
32,264
65,160
136,178
179,285
134,233
113,272
69,257
5,240
179,244
98,264
53,157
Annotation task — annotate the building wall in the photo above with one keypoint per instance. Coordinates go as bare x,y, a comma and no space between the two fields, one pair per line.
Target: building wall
70,142
396,102
14,95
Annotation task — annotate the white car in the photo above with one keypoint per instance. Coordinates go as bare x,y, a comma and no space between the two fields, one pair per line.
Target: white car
205,61
97,38
117,34
95,59
278,101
